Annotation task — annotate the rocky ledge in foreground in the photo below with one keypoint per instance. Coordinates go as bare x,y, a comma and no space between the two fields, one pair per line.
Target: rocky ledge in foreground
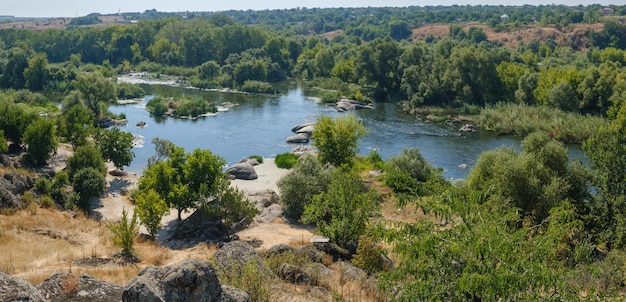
189,280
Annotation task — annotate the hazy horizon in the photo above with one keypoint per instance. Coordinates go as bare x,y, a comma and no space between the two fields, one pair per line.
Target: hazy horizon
73,8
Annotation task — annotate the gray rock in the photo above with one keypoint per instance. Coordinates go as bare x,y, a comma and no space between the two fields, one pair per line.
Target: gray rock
84,288
234,255
270,213
293,274
312,253
318,271
308,130
337,252
298,139
349,271
243,171
318,293
348,105
231,294
298,127
8,199
280,249
189,280
467,128
18,290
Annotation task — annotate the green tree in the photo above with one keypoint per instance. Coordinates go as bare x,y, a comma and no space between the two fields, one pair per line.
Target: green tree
150,209
231,206
86,156
342,212
405,172
36,74
88,183
96,91
14,120
76,125
209,70
40,138
124,232
337,139
3,142
297,188
116,146
563,96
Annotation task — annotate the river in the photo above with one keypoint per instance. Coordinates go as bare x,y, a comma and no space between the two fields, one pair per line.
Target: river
260,124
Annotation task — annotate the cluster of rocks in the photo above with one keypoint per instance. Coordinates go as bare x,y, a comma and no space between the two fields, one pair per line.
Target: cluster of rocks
244,169
267,202
109,122
303,133
189,280
348,105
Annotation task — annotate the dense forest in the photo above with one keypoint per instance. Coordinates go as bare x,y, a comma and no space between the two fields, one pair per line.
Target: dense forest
524,225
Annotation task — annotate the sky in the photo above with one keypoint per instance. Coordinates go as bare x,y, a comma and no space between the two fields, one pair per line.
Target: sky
73,8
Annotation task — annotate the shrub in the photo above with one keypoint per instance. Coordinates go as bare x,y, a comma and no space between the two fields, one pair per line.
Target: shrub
249,277
43,185
258,158
329,97
88,183
257,87
150,208
286,160
369,255
124,232
298,187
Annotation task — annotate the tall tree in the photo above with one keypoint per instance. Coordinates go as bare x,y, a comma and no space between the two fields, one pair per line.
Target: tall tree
337,139
36,74
96,90
40,138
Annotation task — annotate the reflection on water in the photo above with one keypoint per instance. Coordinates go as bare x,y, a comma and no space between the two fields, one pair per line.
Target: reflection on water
259,125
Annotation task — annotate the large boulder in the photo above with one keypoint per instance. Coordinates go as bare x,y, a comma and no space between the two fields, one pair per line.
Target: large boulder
300,126
243,171
7,198
199,227
279,249
298,139
308,130
84,288
189,280
337,252
231,294
16,289
293,274
234,255
348,105
268,204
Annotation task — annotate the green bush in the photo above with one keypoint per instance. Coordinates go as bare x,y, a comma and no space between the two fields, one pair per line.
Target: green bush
257,87
286,160
88,183
43,185
297,188
258,158
124,232
329,97
249,277
129,91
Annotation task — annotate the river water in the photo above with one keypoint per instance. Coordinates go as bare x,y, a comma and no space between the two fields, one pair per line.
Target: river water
260,124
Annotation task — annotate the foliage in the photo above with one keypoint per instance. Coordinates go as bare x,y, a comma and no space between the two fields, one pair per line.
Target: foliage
116,146
257,87
14,120
183,180
297,188
286,160
150,209
87,183
41,140
337,139
124,232
231,206
129,91
258,158
76,125
369,255
405,171
250,277
481,254
341,213
86,156
535,180
96,91
522,120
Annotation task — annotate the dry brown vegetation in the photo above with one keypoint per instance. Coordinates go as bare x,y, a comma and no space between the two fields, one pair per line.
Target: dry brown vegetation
512,38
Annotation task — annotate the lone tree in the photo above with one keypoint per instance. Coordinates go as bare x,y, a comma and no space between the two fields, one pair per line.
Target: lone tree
337,139
342,212
116,146
41,140
150,208
96,90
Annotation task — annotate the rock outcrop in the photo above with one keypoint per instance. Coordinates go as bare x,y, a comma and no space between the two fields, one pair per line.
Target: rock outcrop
84,288
16,289
268,204
348,105
189,280
234,255
308,130
243,171
293,274
298,139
